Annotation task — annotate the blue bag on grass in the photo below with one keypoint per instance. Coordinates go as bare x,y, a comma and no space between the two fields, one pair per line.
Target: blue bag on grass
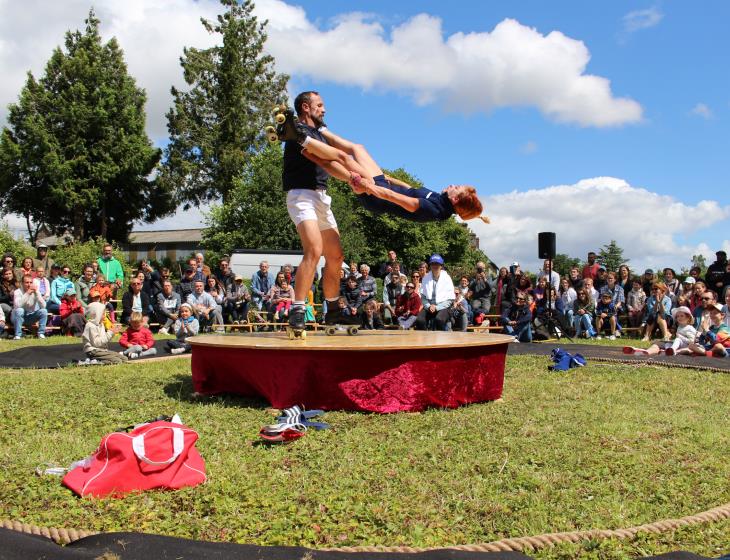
565,360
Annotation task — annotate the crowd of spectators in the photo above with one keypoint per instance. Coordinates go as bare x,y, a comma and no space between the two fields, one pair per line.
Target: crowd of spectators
587,302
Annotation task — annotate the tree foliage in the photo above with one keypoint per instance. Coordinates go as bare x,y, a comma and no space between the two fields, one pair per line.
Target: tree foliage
612,256
76,156
562,264
217,125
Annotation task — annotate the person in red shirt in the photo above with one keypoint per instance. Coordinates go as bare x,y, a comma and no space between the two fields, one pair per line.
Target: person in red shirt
72,314
590,270
408,306
137,340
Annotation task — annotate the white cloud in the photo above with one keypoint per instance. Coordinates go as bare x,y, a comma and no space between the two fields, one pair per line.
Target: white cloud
529,147
511,65
587,215
642,19
701,110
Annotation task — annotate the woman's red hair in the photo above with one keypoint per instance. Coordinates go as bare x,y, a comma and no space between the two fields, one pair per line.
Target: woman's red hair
468,205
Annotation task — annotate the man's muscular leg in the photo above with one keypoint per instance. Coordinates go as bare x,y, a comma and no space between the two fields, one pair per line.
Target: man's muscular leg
333,257
312,246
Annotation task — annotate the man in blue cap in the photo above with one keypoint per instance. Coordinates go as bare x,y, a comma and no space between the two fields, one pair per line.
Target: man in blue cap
437,294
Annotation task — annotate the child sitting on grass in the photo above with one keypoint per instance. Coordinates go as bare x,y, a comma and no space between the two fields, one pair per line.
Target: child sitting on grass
137,340
714,336
96,337
686,334
185,326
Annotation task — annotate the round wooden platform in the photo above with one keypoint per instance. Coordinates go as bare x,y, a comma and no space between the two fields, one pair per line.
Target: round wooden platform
378,371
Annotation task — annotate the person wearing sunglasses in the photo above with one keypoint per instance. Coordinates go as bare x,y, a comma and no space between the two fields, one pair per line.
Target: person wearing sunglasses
516,319
59,286
408,306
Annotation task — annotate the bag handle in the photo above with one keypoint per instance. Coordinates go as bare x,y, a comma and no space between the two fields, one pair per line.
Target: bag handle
178,443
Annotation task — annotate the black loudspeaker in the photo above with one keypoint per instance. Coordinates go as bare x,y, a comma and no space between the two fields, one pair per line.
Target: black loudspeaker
546,245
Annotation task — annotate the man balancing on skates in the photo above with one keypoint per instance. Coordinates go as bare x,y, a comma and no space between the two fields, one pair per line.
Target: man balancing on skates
309,209
376,191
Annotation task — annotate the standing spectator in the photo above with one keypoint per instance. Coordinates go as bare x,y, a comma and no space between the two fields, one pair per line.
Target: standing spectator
500,285
41,283
42,258
205,307
8,285
185,327
111,268
583,311
72,314
386,267
261,283
658,312
516,319
237,301
576,280
84,284
636,303
437,295
26,269
479,293
96,337
151,280
392,287
29,308
601,278
167,308
715,276
370,318
408,306
554,276
367,283
624,279
137,340
590,270
200,265
59,286
648,281
134,299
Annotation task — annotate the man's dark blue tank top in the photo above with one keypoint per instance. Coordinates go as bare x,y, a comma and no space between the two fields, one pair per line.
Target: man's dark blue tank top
299,172
432,206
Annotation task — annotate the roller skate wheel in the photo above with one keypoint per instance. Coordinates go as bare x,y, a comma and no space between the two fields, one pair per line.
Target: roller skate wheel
330,331
290,332
280,118
276,109
270,130
352,331
272,137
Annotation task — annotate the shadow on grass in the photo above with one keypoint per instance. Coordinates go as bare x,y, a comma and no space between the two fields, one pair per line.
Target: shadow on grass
182,389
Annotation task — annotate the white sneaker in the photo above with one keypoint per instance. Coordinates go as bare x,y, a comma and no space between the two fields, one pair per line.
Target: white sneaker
177,350
612,337
18,337
598,337
516,340
163,330
133,356
41,336
618,334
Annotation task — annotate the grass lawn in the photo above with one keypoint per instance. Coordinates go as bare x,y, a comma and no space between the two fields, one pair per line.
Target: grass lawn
605,446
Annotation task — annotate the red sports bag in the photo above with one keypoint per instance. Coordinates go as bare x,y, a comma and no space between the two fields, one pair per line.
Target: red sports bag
155,455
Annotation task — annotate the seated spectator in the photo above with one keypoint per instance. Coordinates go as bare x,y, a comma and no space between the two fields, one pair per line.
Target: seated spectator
408,306
606,315
714,335
2,321
9,264
59,287
41,283
225,278
367,283
84,284
217,293
134,299
185,327
261,283
386,267
151,280
237,301
288,274
72,314
636,303
567,295
187,283
715,276
554,277
617,295
672,283
624,279
26,269
539,292
29,308
463,286
556,306
353,297
687,287
111,268
205,308
517,318
393,286
658,312
479,293
590,290
167,308
702,311
370,317
437,296
583,311
686,334
354,270
601,278
137,340
281,300
648,281
416,278
460,311
100,291
200,266
42,258
575,278
96,337
8,285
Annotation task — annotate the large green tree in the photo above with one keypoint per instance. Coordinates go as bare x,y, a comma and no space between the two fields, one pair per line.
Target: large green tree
562,264
217,125
75,156
255,216
612,256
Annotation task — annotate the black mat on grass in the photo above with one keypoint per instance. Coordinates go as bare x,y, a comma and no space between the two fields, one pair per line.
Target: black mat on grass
615,353
139,546
59,355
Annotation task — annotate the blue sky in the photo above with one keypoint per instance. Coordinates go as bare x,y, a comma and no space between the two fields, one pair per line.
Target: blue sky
598,121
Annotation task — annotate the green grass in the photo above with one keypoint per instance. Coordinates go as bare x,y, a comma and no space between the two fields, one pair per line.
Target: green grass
605,446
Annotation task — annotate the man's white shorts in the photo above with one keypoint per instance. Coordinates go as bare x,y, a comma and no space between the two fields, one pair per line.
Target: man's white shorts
308,204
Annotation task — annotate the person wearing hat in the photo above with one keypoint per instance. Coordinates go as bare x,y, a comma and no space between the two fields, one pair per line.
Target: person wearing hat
42,258
715,276
72,314
685,336
437,291
185,326
237,301
647,281
714,336
601,278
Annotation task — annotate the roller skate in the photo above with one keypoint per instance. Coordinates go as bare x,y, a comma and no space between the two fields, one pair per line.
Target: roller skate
286,129
296,326
336,321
